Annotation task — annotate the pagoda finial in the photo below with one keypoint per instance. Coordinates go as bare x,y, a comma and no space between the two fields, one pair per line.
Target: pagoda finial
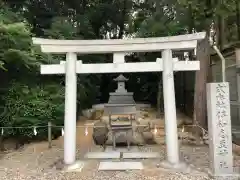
120,78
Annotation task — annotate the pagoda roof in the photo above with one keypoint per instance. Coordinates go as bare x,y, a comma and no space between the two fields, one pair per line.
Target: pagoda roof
120,78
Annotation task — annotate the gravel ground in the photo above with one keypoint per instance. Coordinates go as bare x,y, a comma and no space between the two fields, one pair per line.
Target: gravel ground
31,163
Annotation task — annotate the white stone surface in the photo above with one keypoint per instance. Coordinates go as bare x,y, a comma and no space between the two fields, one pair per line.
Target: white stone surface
119,166
103,155
181,42
52,69
97,49
219,125
170,115
160,60
180,167
70,109
119,57
119,68
76,167
139,155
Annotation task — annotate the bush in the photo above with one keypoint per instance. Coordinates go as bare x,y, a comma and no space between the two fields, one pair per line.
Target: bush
34,105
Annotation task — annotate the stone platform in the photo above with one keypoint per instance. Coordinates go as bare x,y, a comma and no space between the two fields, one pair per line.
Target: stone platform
122,153
120,166
125,155
102,155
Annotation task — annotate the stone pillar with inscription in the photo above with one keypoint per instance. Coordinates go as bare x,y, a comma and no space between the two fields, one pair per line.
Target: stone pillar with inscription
219,127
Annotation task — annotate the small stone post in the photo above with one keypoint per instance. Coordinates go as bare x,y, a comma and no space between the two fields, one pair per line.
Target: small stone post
49,135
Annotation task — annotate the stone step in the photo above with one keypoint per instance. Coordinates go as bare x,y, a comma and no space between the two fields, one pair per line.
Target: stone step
122,149
141,155
120,166
103,155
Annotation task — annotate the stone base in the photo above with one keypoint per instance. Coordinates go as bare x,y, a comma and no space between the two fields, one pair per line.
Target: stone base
225,177
141,155
102,155
120,166
233,176
122,149
76,167
180,167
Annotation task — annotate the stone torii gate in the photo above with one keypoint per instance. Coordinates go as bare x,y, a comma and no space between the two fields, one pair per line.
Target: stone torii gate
71,67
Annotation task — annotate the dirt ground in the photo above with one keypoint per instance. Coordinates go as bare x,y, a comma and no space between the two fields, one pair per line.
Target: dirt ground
35,161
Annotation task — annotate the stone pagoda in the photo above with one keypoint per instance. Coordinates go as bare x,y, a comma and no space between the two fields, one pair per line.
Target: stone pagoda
121,112
121,96
120,99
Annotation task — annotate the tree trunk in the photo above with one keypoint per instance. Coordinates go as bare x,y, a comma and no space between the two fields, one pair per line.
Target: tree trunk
121,26
200,115
160,99
220,32
183,90
1,143
191,24
238,18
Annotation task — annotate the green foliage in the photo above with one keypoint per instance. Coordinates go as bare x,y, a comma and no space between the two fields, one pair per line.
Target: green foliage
14,41
32,105
7,16
159,26
61,28
26,99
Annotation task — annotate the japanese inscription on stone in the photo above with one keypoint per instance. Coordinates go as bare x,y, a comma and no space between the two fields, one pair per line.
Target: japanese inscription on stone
222,121
219,128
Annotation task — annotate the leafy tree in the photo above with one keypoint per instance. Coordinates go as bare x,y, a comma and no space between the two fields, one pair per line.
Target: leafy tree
32,105
23,101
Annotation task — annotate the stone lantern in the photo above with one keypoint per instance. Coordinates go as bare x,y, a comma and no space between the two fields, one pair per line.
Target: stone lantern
121,96
121,83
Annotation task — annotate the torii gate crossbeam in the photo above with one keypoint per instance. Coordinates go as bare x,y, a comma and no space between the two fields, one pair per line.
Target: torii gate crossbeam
120,67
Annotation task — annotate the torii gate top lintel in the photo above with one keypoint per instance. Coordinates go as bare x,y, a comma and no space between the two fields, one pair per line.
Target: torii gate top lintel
181,42
119,47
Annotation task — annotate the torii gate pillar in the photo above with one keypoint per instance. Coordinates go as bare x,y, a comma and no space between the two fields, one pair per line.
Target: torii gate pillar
70,108
170,118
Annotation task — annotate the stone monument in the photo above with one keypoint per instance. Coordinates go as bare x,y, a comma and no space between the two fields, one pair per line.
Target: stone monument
220,136
121,112
121,96
120,101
